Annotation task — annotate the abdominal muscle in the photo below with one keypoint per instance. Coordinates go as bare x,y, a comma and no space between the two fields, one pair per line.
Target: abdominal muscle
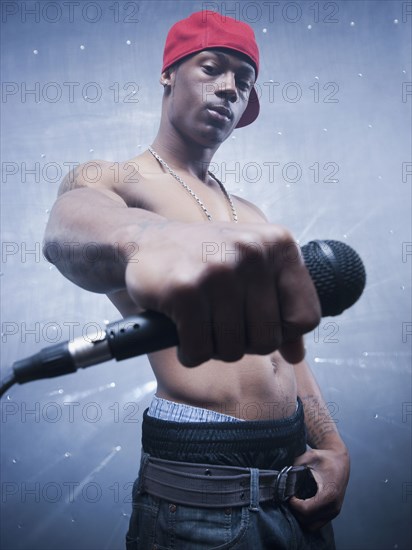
254,388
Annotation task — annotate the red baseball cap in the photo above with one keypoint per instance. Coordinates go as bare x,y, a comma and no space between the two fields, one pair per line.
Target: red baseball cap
209,29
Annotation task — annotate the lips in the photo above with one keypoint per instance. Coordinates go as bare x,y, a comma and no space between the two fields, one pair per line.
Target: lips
220,112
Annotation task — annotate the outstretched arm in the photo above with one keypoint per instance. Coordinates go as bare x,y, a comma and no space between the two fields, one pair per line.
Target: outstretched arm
180,269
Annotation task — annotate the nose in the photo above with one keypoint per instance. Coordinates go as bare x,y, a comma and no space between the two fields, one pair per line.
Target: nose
227,86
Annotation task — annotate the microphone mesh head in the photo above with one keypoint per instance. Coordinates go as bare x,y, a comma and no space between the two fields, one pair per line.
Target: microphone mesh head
337,272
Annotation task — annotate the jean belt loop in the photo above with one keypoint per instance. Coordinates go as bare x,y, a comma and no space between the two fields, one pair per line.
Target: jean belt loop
254,490
143,462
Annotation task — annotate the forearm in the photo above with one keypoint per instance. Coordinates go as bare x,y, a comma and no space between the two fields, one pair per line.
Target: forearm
321,427
90,238
100,243
328,459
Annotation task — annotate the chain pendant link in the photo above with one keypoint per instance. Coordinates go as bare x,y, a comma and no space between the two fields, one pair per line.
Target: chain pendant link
189,190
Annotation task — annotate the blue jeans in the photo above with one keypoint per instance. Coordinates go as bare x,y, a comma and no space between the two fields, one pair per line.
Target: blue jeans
157,524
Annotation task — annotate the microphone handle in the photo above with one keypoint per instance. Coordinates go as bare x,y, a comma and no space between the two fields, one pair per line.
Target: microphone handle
141,334
129,337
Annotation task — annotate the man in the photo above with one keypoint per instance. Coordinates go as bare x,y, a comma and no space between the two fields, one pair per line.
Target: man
232,400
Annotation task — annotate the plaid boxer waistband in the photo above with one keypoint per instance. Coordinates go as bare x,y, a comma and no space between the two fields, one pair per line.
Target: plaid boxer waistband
215,486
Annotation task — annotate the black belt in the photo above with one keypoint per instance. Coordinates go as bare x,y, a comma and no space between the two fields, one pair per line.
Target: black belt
205,485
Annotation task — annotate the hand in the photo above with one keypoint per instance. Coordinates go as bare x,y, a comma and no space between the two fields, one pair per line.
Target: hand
330,468
230,289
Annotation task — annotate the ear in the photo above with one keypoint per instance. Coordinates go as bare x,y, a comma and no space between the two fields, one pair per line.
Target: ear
165,78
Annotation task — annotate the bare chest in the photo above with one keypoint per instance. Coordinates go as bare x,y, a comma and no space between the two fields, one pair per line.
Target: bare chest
185,199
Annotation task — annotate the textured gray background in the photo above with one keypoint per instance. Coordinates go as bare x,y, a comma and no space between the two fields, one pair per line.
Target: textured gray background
336,117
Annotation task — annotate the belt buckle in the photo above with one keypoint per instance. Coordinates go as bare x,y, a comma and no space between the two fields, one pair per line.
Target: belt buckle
280,484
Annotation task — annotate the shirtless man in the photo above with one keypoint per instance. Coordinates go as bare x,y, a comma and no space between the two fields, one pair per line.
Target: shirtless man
214,265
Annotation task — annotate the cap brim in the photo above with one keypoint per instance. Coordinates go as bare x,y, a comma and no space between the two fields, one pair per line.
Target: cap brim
252,110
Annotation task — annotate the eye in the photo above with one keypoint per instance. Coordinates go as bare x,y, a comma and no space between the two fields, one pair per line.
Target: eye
210,69
244,85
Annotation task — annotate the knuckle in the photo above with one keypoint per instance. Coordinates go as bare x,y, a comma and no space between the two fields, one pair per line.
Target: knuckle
280,234
251,255
181,293
284,235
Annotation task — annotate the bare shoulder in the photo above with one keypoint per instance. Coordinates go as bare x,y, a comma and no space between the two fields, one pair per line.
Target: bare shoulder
250,211
100,174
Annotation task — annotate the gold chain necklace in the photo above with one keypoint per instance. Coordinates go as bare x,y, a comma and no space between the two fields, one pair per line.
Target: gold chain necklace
189,190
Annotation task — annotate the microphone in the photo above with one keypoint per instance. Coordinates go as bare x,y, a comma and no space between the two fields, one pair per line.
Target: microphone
335,268
337,273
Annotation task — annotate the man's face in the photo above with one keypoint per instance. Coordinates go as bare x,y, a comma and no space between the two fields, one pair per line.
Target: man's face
209,93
